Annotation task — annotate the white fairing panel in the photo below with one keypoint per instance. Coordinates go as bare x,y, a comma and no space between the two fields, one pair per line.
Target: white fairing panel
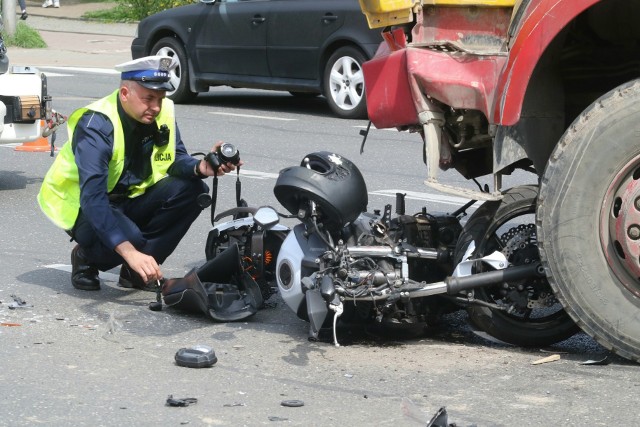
289,266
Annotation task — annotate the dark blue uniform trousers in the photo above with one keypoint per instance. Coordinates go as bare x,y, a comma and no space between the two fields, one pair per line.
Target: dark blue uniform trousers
154,222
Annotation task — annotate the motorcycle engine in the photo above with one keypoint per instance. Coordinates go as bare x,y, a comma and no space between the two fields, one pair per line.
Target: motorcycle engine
425,231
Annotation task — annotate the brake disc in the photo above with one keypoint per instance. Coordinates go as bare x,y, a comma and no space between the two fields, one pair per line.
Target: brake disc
519,244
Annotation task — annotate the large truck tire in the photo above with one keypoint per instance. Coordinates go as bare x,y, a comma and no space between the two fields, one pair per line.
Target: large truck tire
531,316
588,220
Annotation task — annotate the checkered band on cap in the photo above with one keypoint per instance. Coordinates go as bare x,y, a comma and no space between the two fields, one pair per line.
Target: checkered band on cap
146,75
149,68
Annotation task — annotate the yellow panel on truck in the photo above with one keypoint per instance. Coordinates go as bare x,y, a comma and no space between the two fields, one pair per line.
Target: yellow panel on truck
383,13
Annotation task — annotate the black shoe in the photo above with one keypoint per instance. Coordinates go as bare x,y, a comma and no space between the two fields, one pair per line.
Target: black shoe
24,16
130,279
83,275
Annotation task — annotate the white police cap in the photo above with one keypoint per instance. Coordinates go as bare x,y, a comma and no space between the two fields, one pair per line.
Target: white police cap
152,72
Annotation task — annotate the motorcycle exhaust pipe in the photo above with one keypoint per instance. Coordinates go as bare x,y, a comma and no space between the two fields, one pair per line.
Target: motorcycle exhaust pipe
455,285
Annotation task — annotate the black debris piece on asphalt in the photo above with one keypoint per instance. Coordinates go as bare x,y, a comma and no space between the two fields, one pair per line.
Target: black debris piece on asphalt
292,403
185,401
441,419
599,362
199,356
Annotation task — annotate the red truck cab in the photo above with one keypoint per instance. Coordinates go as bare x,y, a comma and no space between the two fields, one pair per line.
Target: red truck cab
549,86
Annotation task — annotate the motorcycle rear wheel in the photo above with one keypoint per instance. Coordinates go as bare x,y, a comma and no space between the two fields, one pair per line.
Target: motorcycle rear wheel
537,318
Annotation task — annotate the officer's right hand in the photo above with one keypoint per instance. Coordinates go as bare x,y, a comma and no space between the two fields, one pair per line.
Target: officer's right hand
143,264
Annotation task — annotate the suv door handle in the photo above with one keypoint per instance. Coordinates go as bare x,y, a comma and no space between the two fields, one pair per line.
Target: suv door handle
329,18
257,20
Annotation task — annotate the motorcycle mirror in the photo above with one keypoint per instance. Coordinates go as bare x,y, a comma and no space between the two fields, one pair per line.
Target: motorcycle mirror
266,217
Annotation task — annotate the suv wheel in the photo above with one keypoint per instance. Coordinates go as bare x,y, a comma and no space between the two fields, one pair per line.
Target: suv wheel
170,46
344,83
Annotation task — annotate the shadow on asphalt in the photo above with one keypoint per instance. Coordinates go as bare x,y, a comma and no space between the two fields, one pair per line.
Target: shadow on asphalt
124,312
13,180
269,101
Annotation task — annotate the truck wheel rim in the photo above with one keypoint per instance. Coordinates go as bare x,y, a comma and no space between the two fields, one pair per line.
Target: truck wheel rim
347,83
620,226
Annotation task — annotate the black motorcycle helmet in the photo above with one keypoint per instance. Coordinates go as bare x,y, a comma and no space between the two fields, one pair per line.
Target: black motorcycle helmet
333,182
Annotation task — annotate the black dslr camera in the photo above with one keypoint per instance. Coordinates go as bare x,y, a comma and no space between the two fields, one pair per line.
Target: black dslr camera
226,153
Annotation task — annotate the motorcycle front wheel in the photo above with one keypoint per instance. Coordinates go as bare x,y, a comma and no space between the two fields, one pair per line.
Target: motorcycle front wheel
524,313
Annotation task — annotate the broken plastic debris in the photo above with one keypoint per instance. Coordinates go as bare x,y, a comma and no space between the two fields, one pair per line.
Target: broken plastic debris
185,401
440,418
231,405
547,359
604,361
18,303
273,418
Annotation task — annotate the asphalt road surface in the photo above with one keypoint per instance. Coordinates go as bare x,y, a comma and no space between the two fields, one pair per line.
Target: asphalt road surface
69,357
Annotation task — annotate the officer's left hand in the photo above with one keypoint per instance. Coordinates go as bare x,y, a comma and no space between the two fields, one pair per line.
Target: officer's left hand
205,168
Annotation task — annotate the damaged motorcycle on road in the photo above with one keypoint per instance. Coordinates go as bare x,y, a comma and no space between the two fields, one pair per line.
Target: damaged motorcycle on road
343,264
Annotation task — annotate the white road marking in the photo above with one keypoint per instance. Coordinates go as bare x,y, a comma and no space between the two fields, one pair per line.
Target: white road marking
84,69
251,116
257,174
410,195
375,128
428,197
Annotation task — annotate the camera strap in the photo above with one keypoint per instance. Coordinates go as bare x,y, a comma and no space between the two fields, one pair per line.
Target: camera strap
214,193
214,196
238,187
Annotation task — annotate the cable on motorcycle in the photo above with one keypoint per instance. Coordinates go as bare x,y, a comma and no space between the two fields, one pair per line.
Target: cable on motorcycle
321,235
462,211
364,134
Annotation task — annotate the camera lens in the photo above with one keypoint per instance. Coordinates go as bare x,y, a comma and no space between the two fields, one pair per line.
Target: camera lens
229,153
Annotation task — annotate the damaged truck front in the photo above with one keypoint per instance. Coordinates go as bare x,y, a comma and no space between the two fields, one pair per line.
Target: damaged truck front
549,86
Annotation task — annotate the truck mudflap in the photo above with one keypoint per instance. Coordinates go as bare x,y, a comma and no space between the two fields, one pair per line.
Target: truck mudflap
389,100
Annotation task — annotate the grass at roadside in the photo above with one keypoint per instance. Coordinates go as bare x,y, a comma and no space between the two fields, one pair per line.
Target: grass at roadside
134,10
120,13
25,37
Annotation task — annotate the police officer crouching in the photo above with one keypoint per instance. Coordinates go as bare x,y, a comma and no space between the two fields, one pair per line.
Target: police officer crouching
124,187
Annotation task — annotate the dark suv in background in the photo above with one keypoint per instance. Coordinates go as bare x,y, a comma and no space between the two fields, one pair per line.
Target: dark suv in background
305,47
